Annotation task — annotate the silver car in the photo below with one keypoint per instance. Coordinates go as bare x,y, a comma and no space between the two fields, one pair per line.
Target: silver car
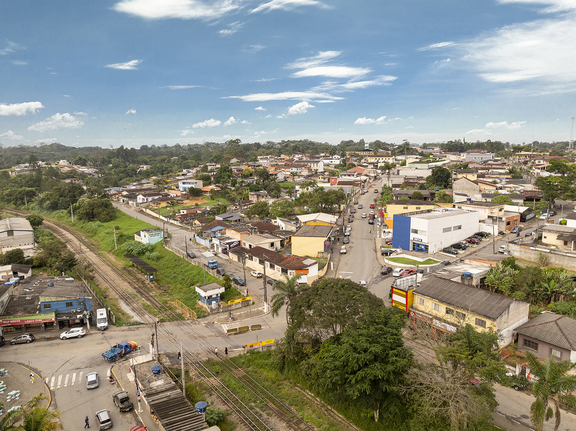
103,419
92,380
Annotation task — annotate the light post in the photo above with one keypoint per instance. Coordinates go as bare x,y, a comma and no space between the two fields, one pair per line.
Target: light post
265,289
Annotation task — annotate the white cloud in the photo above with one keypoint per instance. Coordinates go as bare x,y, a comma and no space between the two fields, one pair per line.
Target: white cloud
129,65
355,85
230,121
46,141
333,72
20,108
19,63
265,79
286,95
181,87
364,120
57,121
555,5
511,126
321,58
299,108
540,53
10,48
179,9
255,48
186,132
260,108
436,46
131,111
233,28
80,113
287,5
11,135
207,123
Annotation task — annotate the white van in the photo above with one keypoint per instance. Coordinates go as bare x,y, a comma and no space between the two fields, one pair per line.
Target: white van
101,319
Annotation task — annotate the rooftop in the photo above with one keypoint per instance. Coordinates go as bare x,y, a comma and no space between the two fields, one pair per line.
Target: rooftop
314,231
551,328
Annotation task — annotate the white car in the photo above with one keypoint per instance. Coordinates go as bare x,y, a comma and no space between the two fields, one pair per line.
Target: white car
92,380
397,272
363,283
363,215
73,333
343,250
256,274
502,249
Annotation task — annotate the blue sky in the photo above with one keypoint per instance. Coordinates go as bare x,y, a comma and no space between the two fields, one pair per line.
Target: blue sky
144,72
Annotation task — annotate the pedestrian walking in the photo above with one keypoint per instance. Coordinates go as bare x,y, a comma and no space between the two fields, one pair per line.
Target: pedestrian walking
86,422
179,355
31,378
216,350
226,351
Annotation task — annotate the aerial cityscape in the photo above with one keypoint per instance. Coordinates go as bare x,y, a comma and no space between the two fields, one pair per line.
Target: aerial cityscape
288,214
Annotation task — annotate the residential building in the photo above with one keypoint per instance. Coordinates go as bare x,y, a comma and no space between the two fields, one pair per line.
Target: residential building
320,219
16,232
148,197
489,212
561,236
149,236
549,334
526,213
264,240
311,240
448,305
230,217
471,174
186,184
258,196
432,230
478,156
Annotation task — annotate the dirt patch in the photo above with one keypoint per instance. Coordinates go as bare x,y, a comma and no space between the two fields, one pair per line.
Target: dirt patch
195,201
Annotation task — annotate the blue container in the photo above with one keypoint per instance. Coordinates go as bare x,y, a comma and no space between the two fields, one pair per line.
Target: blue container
156,369
466,274
201,406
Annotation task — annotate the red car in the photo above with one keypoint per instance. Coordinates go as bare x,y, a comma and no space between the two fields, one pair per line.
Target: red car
372,206
138,428
408,272
472,240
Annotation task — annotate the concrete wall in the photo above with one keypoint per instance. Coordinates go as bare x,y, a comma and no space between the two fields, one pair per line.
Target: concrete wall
435,236
543,351
559,258
515,316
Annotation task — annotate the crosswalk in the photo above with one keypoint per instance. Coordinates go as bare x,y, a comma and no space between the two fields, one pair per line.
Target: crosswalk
62,381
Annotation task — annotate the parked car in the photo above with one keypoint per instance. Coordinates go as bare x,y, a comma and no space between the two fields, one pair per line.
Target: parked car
122,401
370,221
346,239
385,270
516,229
372,206
353,211
363,283
351,219
502,249
221,272
239,281
375,190
360,207
407,272
482,234
22,339
397,272
92,380
459,246
343,249
363,215
529,234
473,240
73,333
450,250
103,419
388,242
388,251
502,233
2,341
191,255
138,428
256,274
355,202
271,281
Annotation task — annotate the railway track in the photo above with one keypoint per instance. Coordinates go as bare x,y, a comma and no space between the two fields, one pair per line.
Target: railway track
249,415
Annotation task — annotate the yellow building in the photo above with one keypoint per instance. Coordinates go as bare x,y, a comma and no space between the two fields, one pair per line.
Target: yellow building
471,174
402,206
448,306
310,240
380,158
318,219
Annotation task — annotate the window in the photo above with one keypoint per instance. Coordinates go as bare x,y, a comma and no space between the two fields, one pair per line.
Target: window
447,229
418,231
417,208
47,306
436,307
69,304
460,316
457,227
530,344
404,208
556,353
480,322
422,301
449,311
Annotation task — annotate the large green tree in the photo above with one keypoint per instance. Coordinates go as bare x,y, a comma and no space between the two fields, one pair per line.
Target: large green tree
259,209
100,209
552,387
440,177
559,185
282,208
284,292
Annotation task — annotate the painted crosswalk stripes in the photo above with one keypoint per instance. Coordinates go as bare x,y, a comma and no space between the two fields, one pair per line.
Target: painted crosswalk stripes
65,380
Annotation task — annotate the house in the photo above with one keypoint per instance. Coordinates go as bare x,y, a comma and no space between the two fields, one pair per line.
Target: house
240,230
427,194
526,213
478,156
311,240
549,334
149,236
264,240
275,265
186,184
264,227
471,174
432,230
213,228
286,224
488,211
448,305
230,217
14,270
320,219
468,188
148,197
258,196
16,232
561,236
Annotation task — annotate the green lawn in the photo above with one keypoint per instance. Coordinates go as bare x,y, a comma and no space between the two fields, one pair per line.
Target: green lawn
408,261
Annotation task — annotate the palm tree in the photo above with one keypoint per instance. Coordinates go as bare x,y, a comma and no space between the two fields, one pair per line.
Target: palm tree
286,291
387,167
8,419
552,386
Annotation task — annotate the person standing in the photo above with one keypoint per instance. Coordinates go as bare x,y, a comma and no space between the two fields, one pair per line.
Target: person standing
226,351
179,355
31,377
216,351
86,422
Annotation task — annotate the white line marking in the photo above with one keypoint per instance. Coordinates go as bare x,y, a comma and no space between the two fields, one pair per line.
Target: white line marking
66,381
73,379
80,377
59,381
52,381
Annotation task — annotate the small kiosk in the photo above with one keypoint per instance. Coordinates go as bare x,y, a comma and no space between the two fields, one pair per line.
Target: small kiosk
210,294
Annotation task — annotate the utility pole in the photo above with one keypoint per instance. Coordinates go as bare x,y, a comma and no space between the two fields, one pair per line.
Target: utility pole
182,367
265,290
156,330
115,245
72,213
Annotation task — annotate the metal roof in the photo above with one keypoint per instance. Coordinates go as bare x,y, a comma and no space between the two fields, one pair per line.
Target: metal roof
551,328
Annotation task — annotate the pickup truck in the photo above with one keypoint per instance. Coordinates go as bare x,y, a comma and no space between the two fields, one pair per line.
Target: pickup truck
212,264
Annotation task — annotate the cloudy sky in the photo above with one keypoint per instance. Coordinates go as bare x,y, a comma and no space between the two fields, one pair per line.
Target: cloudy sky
143,72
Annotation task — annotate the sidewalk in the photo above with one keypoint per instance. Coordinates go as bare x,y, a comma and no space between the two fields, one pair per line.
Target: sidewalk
17,387
121,372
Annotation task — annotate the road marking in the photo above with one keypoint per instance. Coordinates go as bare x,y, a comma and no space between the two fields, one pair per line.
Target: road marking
66,381
80,376
52,381
345,272
73,379
59,381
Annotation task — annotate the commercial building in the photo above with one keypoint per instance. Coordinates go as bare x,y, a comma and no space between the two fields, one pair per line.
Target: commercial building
432,230
16,233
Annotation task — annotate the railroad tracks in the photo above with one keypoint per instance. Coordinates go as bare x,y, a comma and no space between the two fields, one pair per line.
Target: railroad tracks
131,292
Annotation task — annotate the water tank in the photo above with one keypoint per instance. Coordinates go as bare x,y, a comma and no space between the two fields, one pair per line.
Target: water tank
156,369
467,274
201,406
466,278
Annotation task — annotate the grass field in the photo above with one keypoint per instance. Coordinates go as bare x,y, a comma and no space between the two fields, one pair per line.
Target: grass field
408,261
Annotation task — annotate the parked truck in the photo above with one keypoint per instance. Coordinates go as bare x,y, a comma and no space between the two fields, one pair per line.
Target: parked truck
119,350
101,319
208,259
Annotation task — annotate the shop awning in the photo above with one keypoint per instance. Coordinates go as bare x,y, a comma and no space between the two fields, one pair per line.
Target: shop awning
27,319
